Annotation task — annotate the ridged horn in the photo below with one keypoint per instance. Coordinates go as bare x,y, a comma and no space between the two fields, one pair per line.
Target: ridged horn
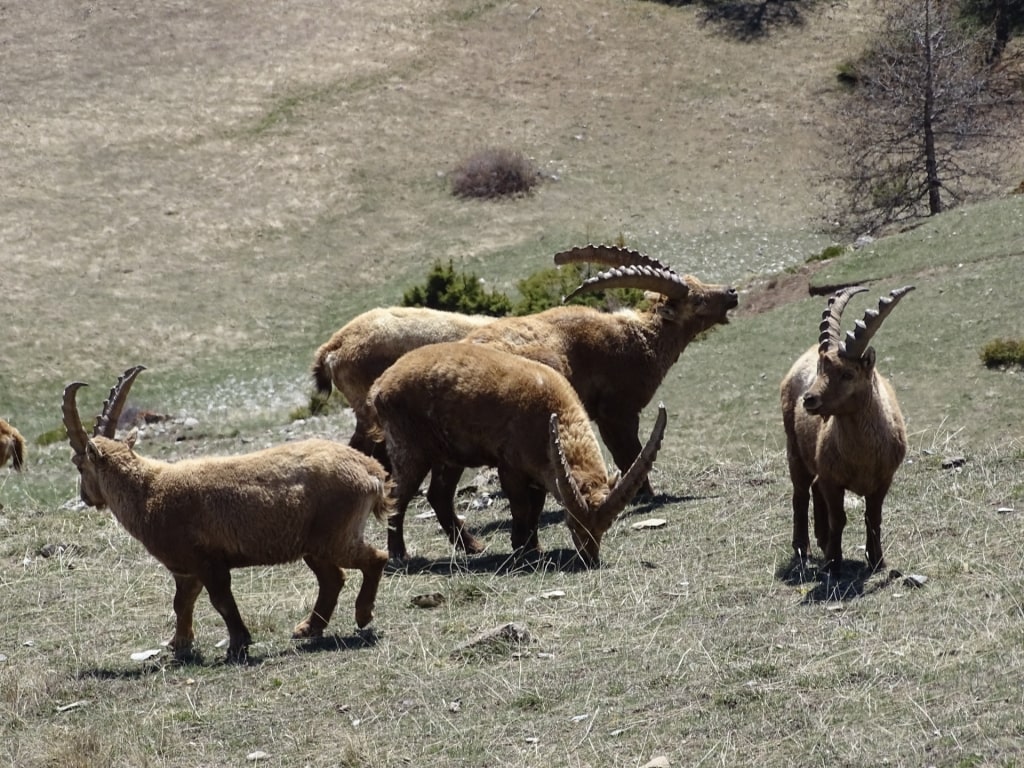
106,422
72,422
832,317
857,340
626,488
658,280
609,255
573,500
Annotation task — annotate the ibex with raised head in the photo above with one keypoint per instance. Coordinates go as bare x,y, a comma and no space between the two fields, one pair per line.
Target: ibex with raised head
844,430
200,518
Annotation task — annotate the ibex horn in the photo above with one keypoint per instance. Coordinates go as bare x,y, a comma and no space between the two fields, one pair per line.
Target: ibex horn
72,423
658,280
626,488
573,500
609,255
832,317
106,422
857,340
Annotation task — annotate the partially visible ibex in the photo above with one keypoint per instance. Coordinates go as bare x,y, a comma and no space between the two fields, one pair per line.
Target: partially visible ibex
368,344
617,360
307,499
844,430
12,446
443,407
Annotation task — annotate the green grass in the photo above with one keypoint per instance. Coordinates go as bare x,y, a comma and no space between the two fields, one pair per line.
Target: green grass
699,640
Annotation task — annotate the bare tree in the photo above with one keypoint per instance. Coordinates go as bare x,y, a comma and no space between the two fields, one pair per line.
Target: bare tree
922,110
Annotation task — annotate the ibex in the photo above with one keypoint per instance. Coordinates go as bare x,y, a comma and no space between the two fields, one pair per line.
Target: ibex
12,446
362,350
202,517
844,430
616,361
447,406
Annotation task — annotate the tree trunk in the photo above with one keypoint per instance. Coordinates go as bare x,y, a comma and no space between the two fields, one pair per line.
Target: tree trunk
930,161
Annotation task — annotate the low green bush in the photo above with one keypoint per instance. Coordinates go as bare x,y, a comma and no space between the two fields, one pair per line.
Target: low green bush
547,287
452,291
1000,352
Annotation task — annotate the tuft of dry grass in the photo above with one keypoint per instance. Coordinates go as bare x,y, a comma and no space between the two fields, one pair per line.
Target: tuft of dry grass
494,172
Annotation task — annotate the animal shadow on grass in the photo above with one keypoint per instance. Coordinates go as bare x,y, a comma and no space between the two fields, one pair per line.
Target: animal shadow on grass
643,505
850,583
564,559
363,638
499,558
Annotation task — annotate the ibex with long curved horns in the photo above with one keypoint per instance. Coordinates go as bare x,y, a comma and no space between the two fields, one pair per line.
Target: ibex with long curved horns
12,446
447,406
844,430
616,361
308,499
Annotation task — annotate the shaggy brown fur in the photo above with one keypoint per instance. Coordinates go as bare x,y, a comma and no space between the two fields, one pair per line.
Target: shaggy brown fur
447,406
202,517
844,431
367,345
12,446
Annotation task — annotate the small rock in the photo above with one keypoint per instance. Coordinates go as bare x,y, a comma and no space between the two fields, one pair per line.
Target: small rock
432,600
651,522
915,580
259,754
145,655
658,762
952,462
554,594
511,634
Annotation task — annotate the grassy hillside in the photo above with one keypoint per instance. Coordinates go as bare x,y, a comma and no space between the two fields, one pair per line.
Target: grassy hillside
212,190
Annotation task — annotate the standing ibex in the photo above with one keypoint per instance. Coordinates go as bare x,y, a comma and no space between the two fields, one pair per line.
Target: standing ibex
447,406
12,446
844,430
616,361
203,517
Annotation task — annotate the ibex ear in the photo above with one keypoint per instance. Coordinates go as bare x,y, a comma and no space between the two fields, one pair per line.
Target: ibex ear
867,360
132,437
92,452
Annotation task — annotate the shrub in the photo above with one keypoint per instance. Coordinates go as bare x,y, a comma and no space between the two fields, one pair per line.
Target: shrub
453,291
999,352
828,252
546,288
494,173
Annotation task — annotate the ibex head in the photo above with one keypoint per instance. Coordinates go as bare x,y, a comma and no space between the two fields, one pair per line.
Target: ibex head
588,523
846,368
88,456
683,298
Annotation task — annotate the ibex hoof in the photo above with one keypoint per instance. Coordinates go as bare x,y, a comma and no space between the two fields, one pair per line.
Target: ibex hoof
305,629
469,544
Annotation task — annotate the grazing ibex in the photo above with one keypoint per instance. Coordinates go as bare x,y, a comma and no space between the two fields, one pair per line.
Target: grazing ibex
362,350
616,361
12,446
202,517
447,406
844,430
